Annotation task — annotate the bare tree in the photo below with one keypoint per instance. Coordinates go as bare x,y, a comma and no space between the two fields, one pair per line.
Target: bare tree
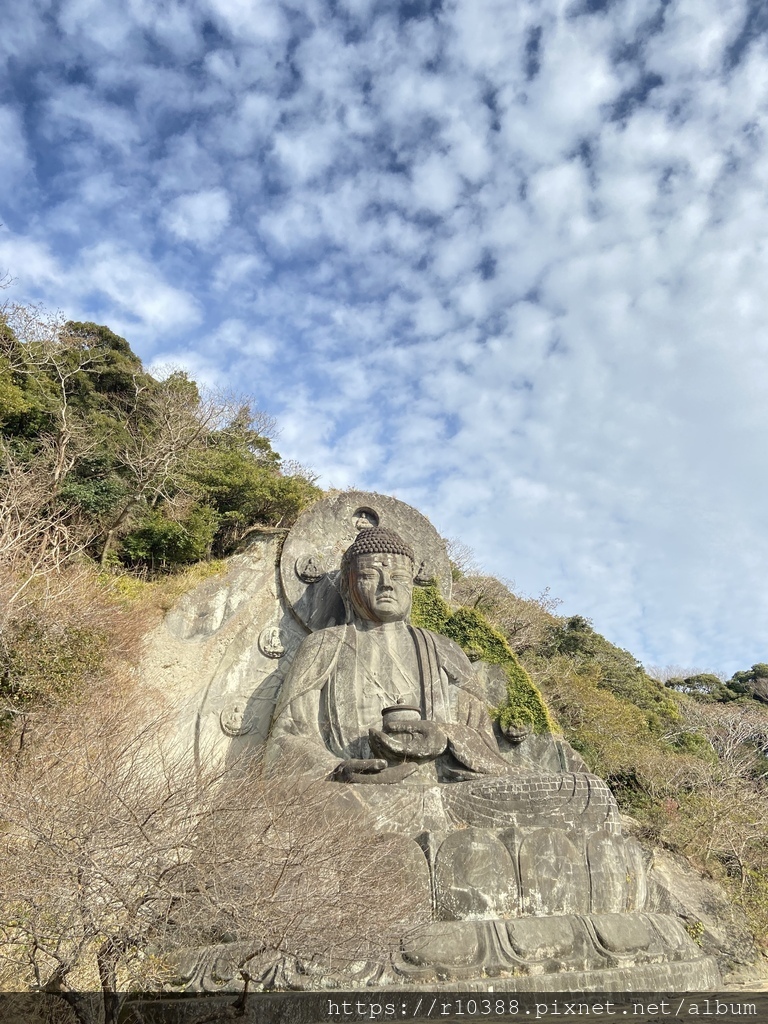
118,853
39,537
462,558
155,427
51,358
664,673
523,620
166,427
299,884
737,735
720,813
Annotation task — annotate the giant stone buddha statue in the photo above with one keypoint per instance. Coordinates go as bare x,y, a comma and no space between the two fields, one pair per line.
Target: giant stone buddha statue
329,721
514,851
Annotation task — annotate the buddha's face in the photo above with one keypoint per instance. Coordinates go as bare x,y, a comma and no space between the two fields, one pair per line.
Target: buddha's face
381,586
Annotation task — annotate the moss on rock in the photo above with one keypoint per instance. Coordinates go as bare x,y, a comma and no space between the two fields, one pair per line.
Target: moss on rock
523,704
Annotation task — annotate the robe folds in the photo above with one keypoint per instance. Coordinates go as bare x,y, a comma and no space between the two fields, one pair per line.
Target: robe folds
331,698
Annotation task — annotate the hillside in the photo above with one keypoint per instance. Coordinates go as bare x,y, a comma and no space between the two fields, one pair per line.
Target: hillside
118,489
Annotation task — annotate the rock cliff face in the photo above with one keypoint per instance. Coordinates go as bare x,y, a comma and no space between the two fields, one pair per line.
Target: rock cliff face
577,912
222,651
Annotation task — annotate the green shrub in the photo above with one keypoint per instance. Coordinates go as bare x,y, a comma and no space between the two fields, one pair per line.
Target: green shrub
56,643
135,449
159,542
619,671
44,663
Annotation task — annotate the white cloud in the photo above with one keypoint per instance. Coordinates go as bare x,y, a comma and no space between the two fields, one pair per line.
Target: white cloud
470,150
244,341
248,129
694,39
14,158
75,107
308,153
134,286
31,263
186,165
90,19
199,217
238,268
250,19
435,185
205,369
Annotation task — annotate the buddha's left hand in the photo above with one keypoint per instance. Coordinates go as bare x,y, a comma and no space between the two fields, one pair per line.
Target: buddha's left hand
409,741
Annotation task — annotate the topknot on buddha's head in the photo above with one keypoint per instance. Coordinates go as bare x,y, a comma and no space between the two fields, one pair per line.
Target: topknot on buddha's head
378,540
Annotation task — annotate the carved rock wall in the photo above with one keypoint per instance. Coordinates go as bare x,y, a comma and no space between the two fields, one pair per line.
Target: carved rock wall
222,652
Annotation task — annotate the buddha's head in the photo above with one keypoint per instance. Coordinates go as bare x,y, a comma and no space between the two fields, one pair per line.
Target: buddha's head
377,576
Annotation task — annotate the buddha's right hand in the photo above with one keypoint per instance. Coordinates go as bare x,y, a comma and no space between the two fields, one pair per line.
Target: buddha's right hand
367,771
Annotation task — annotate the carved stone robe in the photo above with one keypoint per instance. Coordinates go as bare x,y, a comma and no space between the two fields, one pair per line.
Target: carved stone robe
342,678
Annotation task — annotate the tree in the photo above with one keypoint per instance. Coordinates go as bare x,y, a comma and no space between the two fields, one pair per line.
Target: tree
119,853
753,681
525,622
165,425
60,637
243,478
617,670
737,735
151,472
38,536
618,739
723,815
63,370
702,685
58,620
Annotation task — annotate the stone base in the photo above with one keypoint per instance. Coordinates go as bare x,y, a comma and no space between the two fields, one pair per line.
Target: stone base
574,953
608,952
701,975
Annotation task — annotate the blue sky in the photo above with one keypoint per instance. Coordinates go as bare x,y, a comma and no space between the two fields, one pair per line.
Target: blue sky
506,261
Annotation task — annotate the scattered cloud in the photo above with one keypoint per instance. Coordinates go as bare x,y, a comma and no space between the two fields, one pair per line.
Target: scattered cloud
504,261
199,216
14,160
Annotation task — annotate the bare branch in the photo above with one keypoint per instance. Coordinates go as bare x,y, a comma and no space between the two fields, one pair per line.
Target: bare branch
120,853
524,621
